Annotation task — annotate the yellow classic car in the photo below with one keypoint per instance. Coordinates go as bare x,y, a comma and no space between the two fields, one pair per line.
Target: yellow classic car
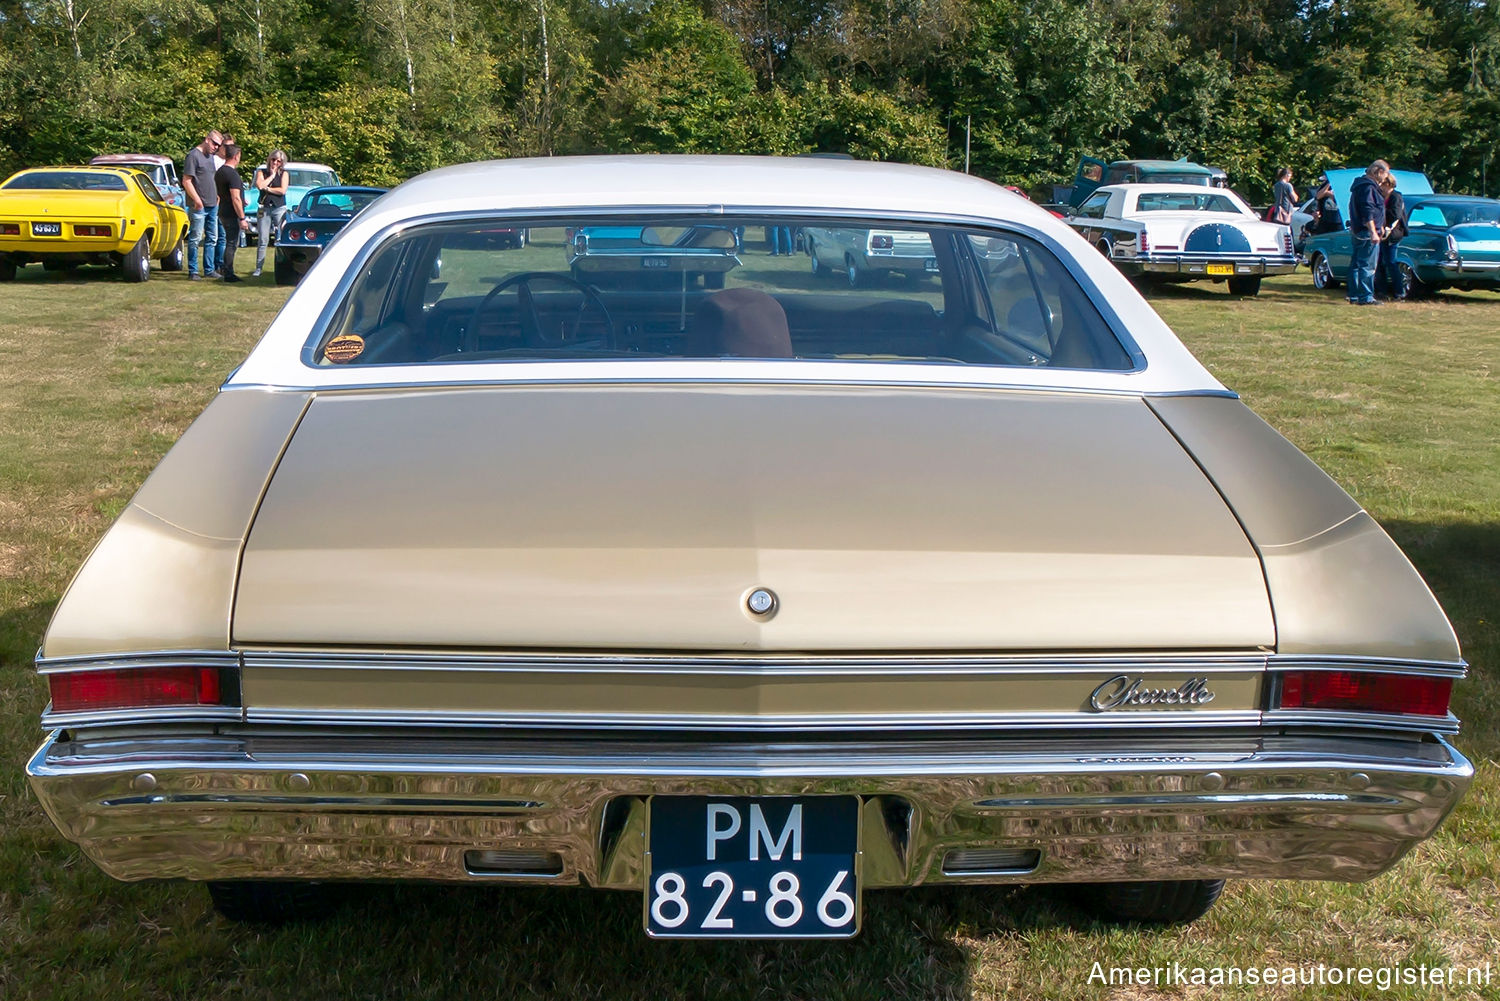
67,216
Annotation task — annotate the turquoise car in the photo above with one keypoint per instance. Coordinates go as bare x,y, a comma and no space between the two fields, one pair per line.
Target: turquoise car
301,178
1453,242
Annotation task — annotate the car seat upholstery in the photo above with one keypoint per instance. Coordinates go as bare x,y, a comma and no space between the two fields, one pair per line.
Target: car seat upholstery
740,323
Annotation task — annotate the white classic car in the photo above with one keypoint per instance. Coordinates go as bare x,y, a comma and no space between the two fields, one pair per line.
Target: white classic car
747,600
867,255
1184,233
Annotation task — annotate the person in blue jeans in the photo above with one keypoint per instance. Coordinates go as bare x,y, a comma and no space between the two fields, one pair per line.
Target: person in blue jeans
1366,227
202,197
781,240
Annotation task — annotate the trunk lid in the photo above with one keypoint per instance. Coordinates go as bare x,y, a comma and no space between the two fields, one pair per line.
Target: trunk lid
640,518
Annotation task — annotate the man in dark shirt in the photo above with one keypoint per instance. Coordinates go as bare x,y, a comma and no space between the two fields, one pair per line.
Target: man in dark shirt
201,192
231,192
1366,225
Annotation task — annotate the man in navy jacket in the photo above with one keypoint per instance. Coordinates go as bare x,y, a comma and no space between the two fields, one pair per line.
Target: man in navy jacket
1366,223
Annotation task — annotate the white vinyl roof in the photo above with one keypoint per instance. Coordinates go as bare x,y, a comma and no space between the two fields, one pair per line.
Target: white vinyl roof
711,184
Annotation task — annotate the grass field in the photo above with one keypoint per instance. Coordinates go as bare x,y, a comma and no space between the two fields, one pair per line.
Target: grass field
97,379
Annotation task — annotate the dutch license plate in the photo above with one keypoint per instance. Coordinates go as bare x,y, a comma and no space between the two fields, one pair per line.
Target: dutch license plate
765,867
932,264
46,229
655,262
1221,269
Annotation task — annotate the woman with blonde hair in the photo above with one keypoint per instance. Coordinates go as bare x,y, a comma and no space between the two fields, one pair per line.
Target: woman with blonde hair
271,181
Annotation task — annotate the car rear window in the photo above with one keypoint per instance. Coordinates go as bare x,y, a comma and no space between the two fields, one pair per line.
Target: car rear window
299,177
66,180
1181,201
721,287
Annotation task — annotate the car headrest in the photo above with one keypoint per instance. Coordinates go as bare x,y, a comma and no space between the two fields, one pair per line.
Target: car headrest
740,323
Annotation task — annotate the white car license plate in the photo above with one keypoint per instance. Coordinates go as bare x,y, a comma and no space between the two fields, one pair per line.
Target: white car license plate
46,229
764,867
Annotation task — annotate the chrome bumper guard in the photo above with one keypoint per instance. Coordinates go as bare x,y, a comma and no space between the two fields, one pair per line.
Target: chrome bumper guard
280,805
1462,267
1186,264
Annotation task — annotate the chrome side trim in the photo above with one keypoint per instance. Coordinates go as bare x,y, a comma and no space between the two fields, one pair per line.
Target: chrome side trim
1376,665
165,714
626,662
1448,724
760,666
149,658
1134,719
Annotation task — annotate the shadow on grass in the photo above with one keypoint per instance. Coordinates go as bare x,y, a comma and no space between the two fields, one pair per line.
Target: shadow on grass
585,943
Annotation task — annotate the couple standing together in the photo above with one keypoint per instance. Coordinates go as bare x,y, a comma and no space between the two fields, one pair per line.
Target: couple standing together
1377,222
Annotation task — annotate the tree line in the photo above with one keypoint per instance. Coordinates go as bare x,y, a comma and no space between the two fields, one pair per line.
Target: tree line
1017,89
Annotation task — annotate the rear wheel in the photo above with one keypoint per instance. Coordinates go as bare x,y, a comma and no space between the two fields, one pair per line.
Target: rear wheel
270,903
820,268
1416,288
173,260
135,266
856,276
1322,273
1244,286
1161,902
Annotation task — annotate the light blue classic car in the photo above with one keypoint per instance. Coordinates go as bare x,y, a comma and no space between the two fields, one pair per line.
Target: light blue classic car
1454,242
1327,254
301,178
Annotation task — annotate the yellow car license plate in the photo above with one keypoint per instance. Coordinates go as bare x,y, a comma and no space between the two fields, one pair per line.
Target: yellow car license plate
1221,269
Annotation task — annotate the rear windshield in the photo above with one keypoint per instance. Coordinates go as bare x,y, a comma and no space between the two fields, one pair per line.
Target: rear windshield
66,180
300,177
1180,201
752,287
1443,214
336,204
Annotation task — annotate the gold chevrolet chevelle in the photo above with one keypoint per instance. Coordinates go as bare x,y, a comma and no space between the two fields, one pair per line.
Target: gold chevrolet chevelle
634,555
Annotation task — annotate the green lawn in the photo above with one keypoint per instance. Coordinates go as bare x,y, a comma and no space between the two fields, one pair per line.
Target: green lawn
98,378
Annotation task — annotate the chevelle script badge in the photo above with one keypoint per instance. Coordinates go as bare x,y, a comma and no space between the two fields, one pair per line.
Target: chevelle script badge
1123,692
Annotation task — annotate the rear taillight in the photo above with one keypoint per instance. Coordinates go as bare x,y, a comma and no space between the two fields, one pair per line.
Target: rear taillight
1366,692
10,229
1286,241
91,230
881,243
141,688
1145,247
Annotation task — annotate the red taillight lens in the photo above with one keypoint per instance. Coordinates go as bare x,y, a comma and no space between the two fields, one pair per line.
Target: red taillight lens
881,243
10,229
1286,241
1145,243
91,230
136,688
1366,691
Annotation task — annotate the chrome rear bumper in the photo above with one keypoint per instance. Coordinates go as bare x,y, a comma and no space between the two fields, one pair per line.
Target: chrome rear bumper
1197,264
289,804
